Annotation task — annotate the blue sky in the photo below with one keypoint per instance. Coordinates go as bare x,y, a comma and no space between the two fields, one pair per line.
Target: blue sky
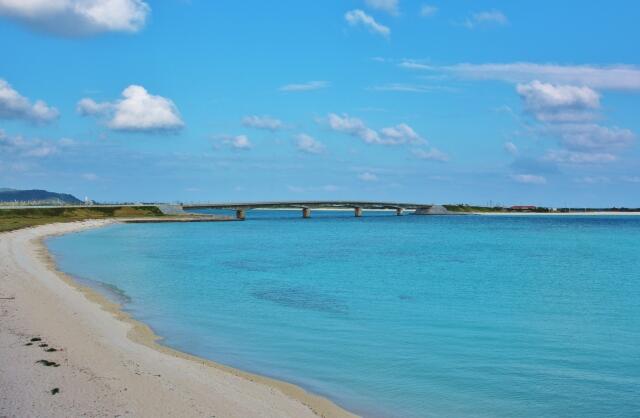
456,101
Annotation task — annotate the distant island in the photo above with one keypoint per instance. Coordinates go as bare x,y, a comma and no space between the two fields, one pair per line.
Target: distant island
464,208
36,197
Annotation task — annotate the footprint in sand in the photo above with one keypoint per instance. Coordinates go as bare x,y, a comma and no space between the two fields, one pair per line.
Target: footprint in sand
48,363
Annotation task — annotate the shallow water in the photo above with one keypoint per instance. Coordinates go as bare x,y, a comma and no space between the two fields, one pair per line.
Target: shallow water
411,316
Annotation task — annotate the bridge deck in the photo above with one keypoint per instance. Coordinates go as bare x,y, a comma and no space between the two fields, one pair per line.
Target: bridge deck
306,204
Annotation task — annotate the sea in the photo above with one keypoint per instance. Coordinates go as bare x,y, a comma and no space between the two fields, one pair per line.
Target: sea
393,316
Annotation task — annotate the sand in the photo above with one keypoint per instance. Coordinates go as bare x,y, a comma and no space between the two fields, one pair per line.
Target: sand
105,363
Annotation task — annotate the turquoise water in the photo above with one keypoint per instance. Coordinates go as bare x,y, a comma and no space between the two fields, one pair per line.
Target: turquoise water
411,316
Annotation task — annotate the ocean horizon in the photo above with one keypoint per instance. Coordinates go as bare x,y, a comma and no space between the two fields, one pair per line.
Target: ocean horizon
411,316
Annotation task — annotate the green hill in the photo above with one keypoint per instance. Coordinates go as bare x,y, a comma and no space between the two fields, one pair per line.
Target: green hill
40,197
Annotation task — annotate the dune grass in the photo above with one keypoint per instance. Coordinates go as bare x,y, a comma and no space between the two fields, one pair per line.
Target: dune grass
12,219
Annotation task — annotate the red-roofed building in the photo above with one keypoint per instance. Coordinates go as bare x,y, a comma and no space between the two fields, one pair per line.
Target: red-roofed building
523,208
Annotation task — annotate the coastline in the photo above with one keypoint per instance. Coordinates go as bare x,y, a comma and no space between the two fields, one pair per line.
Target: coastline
109,363
556,213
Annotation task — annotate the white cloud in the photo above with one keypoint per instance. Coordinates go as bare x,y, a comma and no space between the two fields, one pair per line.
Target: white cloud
389,6
566,111
395,135
15,106
511,148
89,107
19,146
262,122
367,176
413,65
432,154
617,77
308,86
358,17
90,176
575,157
354,127
589,136
137,111
491,17
400,134
428,10
307,143
562,103
529,179
239,142
631,179
78,17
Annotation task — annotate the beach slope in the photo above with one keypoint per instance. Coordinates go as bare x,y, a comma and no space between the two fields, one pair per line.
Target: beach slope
66,351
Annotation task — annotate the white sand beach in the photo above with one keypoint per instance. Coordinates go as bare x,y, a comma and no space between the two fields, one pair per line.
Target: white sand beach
104,363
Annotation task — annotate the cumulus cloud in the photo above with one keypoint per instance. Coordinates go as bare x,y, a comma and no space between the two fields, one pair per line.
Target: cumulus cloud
529,179
427,10
395,135
431,154
89,107
401,134
15,106
238,142
566,113
307,143
491,17
564,103
616,77
262,122
353,126
137,111
367,176
308,86
389,6
78,17
358,17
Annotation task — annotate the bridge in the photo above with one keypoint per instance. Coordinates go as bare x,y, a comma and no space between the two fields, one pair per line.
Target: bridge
306,206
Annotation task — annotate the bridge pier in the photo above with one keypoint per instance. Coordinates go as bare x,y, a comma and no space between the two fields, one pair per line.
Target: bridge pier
306,212
240,214
399,211
357,211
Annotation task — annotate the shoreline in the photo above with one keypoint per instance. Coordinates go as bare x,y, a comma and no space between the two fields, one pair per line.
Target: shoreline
112,341
554,213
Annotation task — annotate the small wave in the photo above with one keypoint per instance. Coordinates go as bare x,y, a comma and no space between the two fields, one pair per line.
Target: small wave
110,291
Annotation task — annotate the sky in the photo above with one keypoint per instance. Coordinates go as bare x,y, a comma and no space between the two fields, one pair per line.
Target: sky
477,101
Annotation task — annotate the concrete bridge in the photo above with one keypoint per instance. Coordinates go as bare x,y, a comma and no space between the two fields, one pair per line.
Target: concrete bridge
307,206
